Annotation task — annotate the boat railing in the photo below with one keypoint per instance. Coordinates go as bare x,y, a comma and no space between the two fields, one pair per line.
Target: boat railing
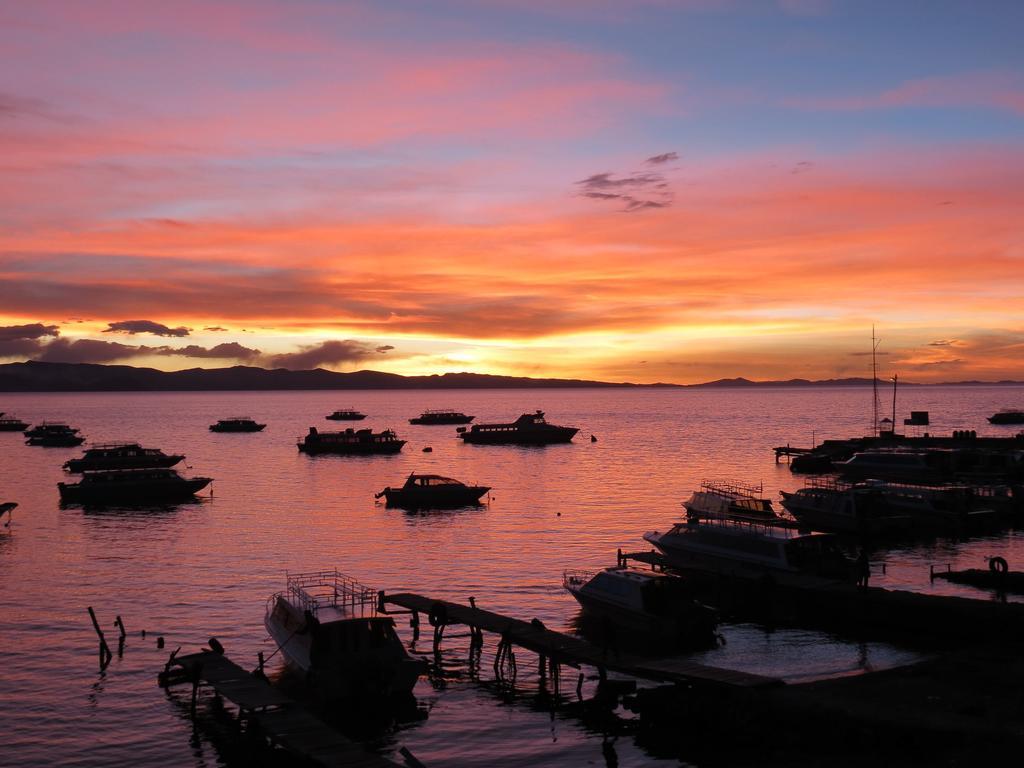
732,488
829,484
758,524
313,590
112,446
576,578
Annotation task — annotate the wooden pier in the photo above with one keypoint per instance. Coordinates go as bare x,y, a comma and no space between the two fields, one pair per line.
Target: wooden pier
261,707
789,451
560,648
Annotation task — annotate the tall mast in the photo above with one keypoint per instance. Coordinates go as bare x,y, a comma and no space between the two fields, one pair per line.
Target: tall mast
895,378
874,382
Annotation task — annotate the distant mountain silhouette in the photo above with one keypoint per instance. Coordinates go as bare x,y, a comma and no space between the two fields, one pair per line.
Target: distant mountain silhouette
88,377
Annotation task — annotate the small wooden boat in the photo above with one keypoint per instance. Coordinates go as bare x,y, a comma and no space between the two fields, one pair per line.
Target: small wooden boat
528,429
433,492
355,442
328,626
132,486
237,424
121,456
430,418
346,415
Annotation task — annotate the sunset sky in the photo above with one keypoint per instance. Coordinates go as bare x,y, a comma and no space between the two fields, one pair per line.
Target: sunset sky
648,191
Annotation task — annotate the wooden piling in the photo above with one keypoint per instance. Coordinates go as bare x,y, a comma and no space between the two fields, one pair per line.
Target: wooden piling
105,655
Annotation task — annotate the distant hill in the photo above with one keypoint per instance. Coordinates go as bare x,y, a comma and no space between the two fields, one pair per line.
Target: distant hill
88,377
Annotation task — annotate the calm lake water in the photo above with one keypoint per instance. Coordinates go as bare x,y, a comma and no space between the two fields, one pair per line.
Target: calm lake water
207,568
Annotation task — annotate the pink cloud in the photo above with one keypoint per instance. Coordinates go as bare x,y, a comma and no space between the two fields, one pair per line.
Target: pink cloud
991,90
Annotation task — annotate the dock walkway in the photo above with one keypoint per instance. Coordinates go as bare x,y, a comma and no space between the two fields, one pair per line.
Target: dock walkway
573,651
279,718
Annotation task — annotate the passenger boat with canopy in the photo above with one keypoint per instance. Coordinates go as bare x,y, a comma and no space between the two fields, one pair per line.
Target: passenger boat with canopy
329,626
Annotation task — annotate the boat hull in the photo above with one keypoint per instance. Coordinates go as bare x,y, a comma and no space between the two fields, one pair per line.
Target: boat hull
14,426
1009,418
522,437
133,493
53,441
333,417
352,449
441,421
437,497
252,428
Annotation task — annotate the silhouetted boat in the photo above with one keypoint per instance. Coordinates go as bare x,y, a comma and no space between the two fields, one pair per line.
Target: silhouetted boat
237,424
131,486
913,466
121,456
50,428
10,424
839,507
1007,417
753,548
718,498
433,492
528,429
441,417
346,415
644,601
358,442
53,435
327,625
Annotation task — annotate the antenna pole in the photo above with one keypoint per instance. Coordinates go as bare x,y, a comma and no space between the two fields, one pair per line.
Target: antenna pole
874,382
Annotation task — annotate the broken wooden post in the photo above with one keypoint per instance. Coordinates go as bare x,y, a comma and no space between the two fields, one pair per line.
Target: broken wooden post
105,654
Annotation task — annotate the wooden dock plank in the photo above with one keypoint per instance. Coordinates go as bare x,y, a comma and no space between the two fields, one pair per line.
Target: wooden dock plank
569,649
279,717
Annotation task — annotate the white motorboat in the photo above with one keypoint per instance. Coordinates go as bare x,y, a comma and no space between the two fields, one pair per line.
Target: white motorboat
644,601
752,548
328,626
718,498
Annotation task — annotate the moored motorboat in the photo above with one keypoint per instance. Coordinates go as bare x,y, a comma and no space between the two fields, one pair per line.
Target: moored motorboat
913,466
11,424
355,442
441,416
132,486
237,424
753,548
528,429
346,414
644,601
856,508
433,492
1007,416
121,456
717,498
328,626
53,435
